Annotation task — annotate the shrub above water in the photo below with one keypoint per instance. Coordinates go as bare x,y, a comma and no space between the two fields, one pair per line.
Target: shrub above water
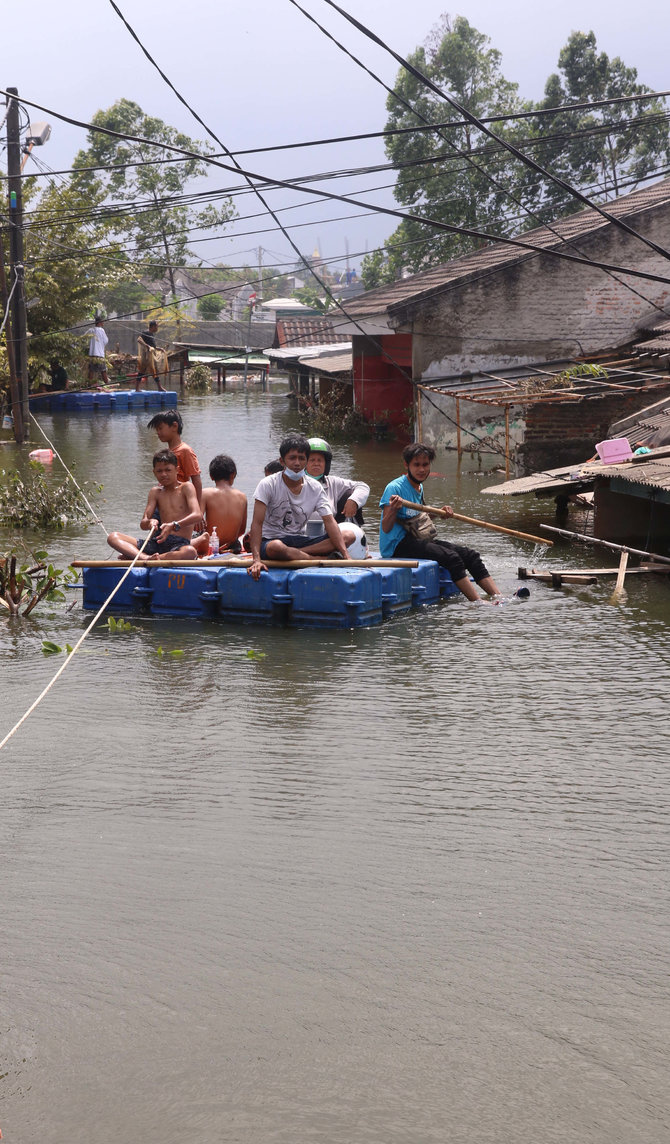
29,500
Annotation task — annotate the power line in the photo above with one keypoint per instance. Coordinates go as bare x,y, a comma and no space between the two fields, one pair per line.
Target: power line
427,82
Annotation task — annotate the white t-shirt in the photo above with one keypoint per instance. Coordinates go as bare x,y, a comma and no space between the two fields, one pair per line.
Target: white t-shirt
286,513
99,339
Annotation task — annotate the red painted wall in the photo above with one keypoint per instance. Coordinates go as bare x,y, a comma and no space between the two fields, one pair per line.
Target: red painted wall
382,390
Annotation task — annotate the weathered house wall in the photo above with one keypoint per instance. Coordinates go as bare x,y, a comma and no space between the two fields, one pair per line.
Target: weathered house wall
537,309
541,308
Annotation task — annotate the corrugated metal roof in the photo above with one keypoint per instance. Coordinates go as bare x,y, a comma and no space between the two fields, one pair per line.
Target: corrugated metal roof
330,363
499,255
650,469
299,353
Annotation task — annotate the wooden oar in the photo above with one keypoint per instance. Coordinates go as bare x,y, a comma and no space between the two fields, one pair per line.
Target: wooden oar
238,562
432,511
618,587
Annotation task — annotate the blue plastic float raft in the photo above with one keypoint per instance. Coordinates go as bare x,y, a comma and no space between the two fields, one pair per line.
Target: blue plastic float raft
110,401
303,597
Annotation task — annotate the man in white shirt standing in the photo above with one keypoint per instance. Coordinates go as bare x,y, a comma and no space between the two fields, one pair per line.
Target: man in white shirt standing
283,503
97,345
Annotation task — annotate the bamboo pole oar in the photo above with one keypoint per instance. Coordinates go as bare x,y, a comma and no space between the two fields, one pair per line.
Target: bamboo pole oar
621,574
605,543
237,562
432,511
590,573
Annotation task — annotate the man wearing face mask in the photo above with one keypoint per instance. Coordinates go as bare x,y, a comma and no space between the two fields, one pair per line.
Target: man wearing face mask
283,503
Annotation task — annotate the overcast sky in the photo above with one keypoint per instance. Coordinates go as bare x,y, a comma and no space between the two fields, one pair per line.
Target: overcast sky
260,74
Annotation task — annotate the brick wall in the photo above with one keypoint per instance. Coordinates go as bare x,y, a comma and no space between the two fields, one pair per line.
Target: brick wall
563,433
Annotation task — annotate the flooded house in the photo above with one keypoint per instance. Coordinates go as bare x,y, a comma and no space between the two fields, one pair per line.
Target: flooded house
530,351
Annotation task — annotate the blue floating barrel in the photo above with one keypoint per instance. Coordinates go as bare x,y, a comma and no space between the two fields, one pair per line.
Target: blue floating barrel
81,401
425,583
120,399
335,598
183,591
396,590
137,399
169,398
132,596
447,586
153,398
102,401
263,601
57,402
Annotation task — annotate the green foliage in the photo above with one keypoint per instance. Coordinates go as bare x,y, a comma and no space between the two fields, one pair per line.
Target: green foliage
176,652
606,150
313,296
336,421
119,625
252,654
71,259
50,648
29,500
158,223
210,306
198,379
433,179
585,369
27,577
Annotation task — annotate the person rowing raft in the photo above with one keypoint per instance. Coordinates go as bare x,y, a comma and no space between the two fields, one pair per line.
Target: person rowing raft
406,532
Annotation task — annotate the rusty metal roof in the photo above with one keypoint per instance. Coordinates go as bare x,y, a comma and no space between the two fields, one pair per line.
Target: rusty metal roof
651,469
535,383
409,291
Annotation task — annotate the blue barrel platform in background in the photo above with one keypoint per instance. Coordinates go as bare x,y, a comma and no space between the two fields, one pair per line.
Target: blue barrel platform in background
103,401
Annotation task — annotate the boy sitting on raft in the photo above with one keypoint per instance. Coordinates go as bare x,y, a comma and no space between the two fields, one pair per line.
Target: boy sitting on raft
224,508
177,505
283,503
396,540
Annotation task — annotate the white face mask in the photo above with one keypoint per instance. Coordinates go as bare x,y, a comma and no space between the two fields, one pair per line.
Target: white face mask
295,476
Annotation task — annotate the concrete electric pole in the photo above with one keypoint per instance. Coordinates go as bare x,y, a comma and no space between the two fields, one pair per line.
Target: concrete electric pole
16,288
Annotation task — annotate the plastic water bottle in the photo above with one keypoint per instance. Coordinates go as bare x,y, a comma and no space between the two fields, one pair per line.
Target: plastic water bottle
213,543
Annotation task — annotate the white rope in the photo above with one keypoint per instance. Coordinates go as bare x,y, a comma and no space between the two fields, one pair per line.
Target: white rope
96,518
79,642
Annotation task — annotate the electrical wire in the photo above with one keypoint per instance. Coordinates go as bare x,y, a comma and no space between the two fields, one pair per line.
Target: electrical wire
472,119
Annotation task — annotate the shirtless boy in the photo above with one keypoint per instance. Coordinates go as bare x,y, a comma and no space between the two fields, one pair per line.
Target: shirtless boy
224,508
283,503
177,505
168,426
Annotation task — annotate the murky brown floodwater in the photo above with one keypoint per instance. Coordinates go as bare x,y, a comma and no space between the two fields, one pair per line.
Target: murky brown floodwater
402,886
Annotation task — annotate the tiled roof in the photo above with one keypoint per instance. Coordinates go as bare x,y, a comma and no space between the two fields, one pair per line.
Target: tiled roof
306,331
499,254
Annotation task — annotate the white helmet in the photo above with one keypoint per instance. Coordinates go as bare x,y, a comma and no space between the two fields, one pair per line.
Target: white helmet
359,550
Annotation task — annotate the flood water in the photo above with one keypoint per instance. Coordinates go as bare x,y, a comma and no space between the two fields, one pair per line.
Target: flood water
401,886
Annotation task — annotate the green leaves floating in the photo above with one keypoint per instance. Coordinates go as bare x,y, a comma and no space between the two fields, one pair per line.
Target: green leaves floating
50,648
120,625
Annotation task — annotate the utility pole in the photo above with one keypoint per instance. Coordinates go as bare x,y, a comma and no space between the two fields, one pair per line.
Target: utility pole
18,303
260,274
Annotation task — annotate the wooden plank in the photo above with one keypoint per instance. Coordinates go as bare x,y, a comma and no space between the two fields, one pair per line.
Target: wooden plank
237,562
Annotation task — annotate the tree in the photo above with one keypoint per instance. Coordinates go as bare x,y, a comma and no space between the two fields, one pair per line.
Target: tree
70,261
210,306
146,184
603,151
435,178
